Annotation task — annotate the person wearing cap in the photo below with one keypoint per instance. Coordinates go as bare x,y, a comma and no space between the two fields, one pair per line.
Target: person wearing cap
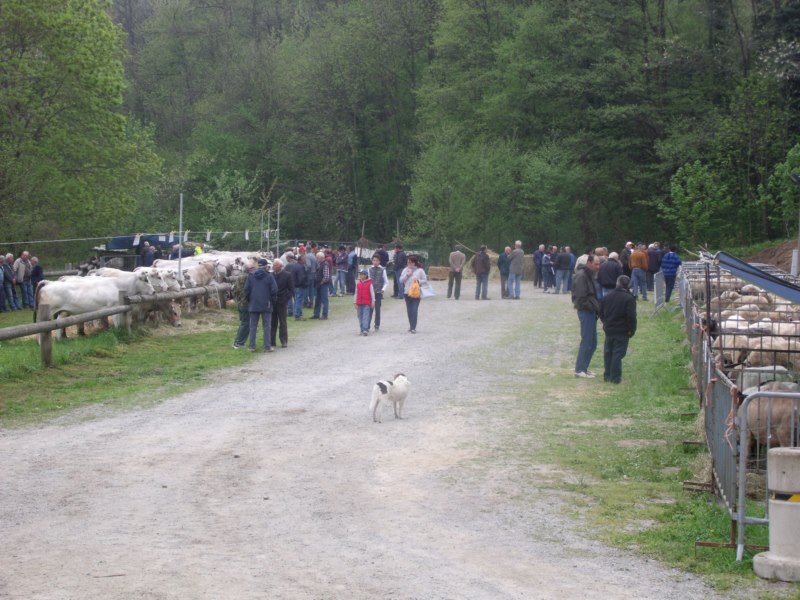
322,280
624,256
262,294
618,314
364,299
285,283
239,296
380,281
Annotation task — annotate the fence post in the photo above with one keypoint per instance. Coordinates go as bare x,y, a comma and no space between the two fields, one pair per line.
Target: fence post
47,336
222,296
123,301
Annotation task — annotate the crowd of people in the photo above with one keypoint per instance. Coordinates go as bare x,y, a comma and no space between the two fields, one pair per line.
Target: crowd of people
23,273
306,277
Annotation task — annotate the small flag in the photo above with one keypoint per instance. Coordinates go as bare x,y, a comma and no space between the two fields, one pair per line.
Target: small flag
208,236
186,236
136,239
247,234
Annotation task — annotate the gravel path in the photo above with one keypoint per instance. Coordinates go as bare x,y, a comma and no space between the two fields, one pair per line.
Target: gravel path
275,483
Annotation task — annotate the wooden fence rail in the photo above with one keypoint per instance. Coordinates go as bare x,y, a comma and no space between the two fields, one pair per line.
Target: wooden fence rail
47,325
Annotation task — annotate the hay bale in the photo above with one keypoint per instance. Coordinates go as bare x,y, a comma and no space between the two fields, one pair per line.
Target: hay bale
438,273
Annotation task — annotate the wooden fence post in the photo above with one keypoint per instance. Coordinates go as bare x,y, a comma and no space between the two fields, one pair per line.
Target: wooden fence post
47,337
123,300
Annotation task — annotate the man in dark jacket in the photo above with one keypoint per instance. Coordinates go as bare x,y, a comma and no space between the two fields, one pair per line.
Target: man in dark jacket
322,279
561,264
608,274
400,262
262,293
297,268
618,313
285,283
240,297
585,301
481,265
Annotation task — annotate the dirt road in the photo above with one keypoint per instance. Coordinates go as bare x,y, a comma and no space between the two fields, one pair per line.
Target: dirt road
275,483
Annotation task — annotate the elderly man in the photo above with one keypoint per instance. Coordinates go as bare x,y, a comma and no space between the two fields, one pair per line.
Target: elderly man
22,273
618,313
515,267
9,281
481,265
322,279
457,260
502,266
585,301
285,283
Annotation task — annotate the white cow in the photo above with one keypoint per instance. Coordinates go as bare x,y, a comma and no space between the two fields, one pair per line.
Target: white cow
167,277
86,294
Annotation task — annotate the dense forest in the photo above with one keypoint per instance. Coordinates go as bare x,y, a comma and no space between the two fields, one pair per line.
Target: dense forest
484,121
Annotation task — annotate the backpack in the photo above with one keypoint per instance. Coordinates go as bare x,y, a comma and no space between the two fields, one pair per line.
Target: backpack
414,291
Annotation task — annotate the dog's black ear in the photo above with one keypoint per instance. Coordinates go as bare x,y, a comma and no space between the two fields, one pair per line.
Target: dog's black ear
383,387
399,375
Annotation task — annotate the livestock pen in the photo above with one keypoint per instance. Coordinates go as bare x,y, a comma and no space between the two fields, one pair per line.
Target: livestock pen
743,324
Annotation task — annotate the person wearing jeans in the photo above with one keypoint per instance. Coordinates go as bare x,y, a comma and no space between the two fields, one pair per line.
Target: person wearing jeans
515,267
412,271
262,294
618,313
380,281
323,282
588,307
481,265
638,264
243,333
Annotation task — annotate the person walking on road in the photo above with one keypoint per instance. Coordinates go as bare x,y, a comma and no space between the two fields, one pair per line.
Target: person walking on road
413,279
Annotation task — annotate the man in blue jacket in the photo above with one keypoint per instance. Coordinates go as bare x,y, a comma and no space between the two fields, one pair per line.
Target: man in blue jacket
262,293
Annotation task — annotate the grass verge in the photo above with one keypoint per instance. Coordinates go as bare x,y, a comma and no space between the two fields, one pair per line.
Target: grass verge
114,367
623,448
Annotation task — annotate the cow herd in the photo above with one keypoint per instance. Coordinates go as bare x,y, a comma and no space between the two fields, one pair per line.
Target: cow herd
101,288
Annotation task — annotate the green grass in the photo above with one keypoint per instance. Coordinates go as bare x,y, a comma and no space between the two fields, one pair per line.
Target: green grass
624,449
113,367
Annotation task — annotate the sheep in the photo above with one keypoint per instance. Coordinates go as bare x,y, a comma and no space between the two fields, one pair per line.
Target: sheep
772,422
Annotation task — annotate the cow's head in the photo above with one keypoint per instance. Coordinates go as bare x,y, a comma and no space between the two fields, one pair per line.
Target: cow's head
173,312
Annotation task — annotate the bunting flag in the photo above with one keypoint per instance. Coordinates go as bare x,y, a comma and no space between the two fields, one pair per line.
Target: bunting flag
226,234
247,234
136,239
186,236
208,236
171,236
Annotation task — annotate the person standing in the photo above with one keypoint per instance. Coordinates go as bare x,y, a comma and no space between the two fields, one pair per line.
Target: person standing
262,293
22,273
9,281
548,274
322,280
457,261
537,266
625,256
638,264
481,265
380,281
399,265
311,273
413,293
240,297
584,299
341,261
515,267
364,298
285,283
381,251
618,314
561,265
300,279
669,267
352,268
37,273
608,273
502,265
653,264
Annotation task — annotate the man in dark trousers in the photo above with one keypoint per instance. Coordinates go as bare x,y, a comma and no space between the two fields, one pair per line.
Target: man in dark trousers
618,313
400,262
285,282
261,292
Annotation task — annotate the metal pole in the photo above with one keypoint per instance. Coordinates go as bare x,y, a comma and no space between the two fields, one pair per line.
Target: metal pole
278,231
180,240
796,252
269,224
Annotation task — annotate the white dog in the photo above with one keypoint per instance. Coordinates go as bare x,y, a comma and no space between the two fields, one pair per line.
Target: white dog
396,391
